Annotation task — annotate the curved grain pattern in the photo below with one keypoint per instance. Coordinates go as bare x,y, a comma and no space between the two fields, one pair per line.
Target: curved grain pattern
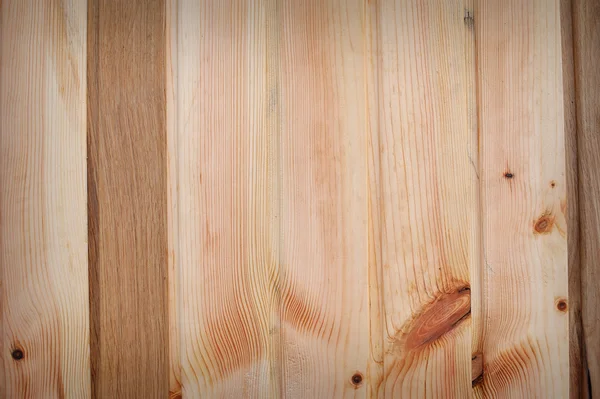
324,270
425,166
43,233
525,342
223,120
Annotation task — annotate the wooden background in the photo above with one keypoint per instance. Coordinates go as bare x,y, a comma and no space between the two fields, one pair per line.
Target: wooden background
299,198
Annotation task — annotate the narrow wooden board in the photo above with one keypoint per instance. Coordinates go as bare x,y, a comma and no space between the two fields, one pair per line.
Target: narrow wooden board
43,233
577,365
324,208
424,169
521,122
127,198
224,198
586,39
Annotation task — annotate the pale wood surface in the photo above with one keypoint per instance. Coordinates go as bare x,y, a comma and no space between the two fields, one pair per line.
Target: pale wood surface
127,198
323,169
586,39
423,175
299,198
523,187
224,195
43,229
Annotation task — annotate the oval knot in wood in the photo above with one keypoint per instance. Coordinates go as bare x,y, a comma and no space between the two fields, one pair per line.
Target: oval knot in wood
438,317
544,224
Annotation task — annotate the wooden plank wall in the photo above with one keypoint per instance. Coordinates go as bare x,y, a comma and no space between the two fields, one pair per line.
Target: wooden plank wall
299,198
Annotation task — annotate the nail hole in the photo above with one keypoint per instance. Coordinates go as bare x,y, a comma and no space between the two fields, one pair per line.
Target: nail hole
357,379
17,354
552,184
509,175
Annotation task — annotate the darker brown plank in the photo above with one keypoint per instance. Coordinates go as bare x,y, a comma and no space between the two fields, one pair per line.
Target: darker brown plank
127,198
578,371
586,52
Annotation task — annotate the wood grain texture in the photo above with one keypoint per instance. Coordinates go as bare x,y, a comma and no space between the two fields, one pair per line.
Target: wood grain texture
522,132
224,200
324,202
577,364
127,198
43,233
586,49
424,192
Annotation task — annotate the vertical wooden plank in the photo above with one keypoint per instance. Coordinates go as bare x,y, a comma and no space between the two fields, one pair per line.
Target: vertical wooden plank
427,178
577,365
324,208
43,250
586,39
127,198
526,341
225,205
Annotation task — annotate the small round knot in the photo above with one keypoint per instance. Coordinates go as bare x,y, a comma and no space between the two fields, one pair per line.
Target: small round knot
357,379
17,354
561,305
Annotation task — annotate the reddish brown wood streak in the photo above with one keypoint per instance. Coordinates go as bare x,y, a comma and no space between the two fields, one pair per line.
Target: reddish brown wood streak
436,319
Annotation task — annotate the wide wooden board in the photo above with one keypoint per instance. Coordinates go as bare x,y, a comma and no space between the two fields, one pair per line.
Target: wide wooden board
424,182
224,246
43,230
523,193
127,198
324,208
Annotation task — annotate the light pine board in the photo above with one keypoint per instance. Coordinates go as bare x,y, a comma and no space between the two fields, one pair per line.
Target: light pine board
586,43
127,198
523,187
43,229
324,209
423,175
224,199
